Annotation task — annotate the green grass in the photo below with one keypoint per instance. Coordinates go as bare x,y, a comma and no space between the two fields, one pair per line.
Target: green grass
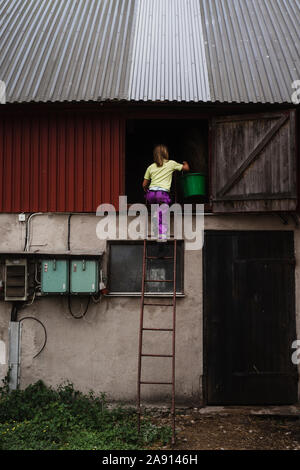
43,418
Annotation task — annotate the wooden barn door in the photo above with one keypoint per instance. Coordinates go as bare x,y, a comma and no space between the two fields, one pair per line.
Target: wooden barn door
249,311
253,167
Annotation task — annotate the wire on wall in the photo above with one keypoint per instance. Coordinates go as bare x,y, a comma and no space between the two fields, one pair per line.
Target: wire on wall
69,231
28,227
78,317
45,341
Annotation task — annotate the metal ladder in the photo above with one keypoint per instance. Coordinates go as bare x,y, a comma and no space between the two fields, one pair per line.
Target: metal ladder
142,329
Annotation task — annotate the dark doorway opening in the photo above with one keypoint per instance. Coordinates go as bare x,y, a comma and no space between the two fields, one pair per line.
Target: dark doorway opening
249,318
186,139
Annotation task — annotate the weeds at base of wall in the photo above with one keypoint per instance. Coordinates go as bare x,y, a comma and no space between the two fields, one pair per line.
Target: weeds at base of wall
43,418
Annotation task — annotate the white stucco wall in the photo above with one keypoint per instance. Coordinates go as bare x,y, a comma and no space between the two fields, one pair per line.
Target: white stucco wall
100,351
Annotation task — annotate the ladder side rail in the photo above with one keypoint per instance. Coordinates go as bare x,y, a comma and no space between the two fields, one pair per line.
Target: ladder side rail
173,341
140,337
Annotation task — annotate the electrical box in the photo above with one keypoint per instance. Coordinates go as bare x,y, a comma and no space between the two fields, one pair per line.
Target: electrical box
15,280
54,276
84,276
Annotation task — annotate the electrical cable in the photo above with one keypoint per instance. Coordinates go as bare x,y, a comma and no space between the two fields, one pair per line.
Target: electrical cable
69,231
45,341
26,235
14,311
95,299
83,314
31,302
35,275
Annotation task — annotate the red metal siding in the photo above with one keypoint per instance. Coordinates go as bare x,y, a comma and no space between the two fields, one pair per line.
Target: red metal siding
61,162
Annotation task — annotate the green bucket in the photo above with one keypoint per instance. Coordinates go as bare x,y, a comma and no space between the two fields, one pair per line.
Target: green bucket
193,184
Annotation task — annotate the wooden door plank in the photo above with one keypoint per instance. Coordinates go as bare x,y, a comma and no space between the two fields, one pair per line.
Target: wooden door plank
253,155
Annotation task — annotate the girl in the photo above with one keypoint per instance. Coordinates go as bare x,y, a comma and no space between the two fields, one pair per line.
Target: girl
157,183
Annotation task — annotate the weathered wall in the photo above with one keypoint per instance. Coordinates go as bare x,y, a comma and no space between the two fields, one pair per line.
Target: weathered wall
99,352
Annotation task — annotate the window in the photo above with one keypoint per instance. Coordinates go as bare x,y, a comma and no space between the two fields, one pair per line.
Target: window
186,139
126,264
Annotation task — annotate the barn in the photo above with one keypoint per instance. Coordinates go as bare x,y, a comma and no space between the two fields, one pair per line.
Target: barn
88,88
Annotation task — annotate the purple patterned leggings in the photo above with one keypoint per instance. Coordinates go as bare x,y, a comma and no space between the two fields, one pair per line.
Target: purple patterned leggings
160,197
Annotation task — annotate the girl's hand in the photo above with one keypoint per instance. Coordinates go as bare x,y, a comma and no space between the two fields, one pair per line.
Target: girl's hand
146,185
186,166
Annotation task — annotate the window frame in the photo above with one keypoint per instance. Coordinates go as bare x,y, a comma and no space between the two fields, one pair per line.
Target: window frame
146,294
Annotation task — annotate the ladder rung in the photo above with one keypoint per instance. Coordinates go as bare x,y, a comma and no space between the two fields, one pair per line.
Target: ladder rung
159,280
158,305
158,329
157,383
157,355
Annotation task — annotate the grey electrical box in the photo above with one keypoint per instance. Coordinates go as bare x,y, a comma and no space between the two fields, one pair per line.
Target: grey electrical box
15,280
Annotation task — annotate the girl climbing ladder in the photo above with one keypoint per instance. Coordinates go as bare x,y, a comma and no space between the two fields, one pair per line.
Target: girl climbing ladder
157,183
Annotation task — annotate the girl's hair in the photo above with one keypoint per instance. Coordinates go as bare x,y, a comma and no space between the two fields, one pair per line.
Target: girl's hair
160,153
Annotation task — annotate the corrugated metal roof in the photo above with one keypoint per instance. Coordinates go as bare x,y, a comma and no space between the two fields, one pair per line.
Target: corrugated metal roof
252,48
168,52
150,50
64,49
